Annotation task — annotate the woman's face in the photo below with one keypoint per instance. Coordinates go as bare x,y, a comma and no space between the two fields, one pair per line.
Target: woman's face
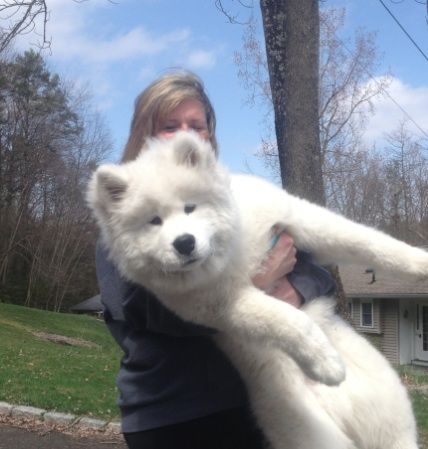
189,115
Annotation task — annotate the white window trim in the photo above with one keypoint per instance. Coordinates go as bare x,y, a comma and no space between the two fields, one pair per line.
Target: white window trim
366,301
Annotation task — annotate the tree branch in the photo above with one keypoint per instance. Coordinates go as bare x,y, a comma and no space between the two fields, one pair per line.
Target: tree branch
233,18
23,15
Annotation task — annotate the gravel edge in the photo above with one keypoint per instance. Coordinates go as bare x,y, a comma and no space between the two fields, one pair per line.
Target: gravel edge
64,422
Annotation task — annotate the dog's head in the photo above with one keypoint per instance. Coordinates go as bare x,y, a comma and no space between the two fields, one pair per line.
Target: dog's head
167,218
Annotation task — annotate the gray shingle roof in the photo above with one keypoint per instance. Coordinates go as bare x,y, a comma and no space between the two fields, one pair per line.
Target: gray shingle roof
89,305
357,282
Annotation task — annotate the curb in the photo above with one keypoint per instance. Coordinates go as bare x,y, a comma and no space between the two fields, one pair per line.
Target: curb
80,422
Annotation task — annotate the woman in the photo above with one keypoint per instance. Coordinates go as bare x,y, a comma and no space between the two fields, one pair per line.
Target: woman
177,390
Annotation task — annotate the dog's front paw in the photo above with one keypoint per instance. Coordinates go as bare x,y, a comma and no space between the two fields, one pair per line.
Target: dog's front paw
411,264
420,267
327,368
318,359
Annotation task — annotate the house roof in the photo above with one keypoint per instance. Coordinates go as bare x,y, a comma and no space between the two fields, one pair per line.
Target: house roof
89,305
358,283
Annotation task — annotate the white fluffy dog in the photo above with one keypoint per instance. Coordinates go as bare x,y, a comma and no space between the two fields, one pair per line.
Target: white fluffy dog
176,222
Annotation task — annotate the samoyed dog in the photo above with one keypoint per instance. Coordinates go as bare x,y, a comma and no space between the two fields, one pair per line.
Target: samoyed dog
175,221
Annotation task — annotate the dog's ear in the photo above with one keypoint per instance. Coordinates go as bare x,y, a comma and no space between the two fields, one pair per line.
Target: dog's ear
107,186
111,182
191,150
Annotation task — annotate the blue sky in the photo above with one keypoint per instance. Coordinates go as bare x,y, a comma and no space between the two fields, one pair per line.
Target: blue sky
118,48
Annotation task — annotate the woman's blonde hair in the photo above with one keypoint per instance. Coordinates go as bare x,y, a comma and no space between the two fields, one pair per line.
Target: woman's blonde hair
159,99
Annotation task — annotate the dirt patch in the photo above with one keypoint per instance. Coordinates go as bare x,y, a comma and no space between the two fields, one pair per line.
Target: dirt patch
420,388
63,340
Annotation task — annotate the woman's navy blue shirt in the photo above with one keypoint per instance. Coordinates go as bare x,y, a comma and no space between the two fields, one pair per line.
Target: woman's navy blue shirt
172,371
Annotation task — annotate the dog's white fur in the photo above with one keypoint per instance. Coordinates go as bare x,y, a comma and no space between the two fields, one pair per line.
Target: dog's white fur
176,222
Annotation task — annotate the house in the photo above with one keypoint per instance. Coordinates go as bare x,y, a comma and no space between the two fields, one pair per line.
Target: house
91,306
392,313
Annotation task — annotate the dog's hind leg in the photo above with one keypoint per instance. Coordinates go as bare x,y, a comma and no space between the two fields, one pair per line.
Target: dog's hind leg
302,426
402,445
288,412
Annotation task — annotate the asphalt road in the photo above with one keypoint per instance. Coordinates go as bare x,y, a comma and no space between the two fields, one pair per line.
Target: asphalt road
20,438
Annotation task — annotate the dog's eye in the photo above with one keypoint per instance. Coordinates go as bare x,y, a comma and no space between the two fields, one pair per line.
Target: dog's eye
189,208
156,221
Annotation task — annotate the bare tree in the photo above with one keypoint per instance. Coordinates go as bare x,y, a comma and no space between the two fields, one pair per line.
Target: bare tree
359,192
387,188
235,17
407,180
26,17
50,141
346,92
21,18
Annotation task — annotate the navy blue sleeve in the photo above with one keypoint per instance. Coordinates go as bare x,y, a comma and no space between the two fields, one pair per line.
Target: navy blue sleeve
311,280
124,301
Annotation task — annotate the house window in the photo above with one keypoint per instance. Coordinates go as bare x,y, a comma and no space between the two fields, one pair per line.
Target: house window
367,314
350,308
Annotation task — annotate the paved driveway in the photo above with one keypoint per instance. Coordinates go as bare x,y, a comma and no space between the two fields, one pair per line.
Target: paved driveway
19,438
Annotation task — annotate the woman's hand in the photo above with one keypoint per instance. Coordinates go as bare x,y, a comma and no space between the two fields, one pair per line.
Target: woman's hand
284,291
279,262
272,276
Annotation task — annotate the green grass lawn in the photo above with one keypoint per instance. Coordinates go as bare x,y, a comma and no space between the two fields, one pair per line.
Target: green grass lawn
81,380
418,377
73,379
420,406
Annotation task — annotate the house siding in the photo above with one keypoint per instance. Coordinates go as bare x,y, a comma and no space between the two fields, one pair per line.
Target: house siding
384,334
390,334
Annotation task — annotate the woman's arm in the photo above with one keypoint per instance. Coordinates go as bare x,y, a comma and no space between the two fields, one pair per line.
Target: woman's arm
293,276
310,279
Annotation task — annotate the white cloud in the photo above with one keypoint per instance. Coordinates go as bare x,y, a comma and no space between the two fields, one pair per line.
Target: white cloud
388,115
130,45
75,35
111,56
201,59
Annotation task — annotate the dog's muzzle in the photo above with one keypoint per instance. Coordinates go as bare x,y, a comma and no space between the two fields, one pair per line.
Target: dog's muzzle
185,244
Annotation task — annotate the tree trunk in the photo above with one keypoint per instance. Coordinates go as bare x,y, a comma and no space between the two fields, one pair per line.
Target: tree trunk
291,29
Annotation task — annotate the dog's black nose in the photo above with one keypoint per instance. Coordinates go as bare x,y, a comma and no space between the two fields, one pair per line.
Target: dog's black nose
185,244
